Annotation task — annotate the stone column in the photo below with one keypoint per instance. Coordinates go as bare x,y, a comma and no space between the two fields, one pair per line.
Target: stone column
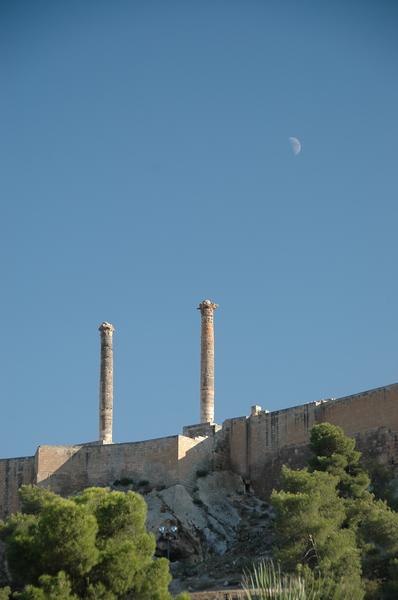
106,384
207,308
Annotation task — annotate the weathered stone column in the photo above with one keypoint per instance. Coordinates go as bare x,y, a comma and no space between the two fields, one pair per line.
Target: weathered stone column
106,384
207,308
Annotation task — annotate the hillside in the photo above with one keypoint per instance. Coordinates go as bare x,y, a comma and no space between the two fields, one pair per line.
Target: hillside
221,529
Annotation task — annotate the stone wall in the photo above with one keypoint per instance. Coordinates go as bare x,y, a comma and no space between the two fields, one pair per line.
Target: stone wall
261,443
162,461
14,472
67,469
254,447
194,454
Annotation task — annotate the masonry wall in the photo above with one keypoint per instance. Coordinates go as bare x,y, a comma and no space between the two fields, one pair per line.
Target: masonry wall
260,444
14,472
255,447
67,469
163,461
194,455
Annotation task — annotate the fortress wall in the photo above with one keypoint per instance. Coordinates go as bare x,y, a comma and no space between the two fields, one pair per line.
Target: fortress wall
50,459
194,454
260,444
236,431
255,447
67,469
253,438
270,431
14,472
362,412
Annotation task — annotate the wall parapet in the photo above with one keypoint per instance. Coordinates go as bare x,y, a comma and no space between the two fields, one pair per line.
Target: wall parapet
254,447
260,443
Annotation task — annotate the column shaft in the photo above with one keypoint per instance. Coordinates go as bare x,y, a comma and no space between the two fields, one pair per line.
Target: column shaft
106,384
207,361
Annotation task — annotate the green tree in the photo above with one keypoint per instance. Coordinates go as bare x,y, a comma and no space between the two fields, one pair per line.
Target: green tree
376,526
61,537
383,482
92,546
335,453
313,535
57,587
374,523
310,533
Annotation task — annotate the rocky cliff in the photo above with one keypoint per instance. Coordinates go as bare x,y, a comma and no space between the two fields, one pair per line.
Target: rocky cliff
211,531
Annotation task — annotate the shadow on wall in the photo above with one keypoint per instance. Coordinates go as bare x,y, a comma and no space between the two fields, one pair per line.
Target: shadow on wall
70,469
253,447
160,462
260,444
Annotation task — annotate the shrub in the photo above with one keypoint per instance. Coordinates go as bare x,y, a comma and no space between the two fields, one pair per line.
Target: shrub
265,581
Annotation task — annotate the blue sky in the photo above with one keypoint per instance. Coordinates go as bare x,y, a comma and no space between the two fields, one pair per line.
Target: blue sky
145,165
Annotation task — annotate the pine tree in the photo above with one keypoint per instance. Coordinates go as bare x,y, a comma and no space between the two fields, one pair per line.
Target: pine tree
92,546
328,521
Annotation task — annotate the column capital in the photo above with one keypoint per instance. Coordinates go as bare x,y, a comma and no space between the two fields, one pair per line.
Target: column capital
205,305
105,326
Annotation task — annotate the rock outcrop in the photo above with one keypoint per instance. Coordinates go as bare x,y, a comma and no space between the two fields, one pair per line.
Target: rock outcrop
210,532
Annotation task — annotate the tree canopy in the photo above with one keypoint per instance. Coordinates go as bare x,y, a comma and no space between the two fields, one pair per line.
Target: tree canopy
329,522
93,546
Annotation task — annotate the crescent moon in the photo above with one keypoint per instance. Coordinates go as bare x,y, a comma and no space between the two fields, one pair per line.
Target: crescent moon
296,145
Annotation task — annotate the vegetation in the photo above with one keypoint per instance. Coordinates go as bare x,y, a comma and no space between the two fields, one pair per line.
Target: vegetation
93,546
383,483
331,526
266,582
335,524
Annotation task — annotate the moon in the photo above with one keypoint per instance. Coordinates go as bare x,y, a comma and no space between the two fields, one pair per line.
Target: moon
296,145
